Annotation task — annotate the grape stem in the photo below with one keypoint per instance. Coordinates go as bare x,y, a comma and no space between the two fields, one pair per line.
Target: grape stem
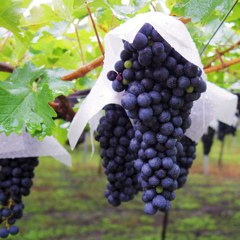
165,224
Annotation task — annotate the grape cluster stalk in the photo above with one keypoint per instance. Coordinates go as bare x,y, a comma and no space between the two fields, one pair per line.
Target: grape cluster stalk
15,182
159,87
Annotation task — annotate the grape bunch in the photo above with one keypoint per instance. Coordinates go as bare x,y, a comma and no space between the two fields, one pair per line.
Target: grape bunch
160,88
185,159
224,129
114,134
15,182
207,140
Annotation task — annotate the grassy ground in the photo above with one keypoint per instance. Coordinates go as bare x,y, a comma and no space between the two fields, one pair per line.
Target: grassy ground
68,204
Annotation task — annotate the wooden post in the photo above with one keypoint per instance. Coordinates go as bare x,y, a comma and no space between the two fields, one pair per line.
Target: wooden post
221,154
205,164
85,147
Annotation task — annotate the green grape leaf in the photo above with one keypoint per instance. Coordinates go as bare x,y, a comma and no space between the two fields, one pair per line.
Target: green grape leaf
40,16
55,84
64,8
24,98
202,11
9,16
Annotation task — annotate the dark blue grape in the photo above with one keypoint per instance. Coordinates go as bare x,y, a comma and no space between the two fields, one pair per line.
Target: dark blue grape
155,163
111,75
6,212
172,82
179,71
157,48
176,102
167,128
129,101
146,29
119,66
170,63
178,92
117,86
150,153
128,74
161,74
149,209
137,66
157,109
135,88
145,114
145,57
183,82
125,55
167,163
165,116
146,170
156,37
155,96
4,233
147,84
13,230
167,182
140,41
190,69
149,138
139,75
171,142
161,138
159,202
154,181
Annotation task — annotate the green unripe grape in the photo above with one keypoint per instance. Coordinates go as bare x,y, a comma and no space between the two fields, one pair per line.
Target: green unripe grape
127,64
159,189
190,89
125,82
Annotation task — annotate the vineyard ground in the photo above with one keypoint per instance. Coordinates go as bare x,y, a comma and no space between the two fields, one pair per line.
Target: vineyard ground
68,204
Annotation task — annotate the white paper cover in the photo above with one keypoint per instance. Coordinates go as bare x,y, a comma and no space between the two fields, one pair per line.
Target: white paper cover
26,146
177,35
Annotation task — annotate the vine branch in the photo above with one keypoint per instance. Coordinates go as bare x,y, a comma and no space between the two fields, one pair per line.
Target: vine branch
5,67
222,53
83,70
94,27
63,108
222,66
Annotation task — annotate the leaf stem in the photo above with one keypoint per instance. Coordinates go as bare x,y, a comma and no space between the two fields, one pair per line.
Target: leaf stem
5,41
79,44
